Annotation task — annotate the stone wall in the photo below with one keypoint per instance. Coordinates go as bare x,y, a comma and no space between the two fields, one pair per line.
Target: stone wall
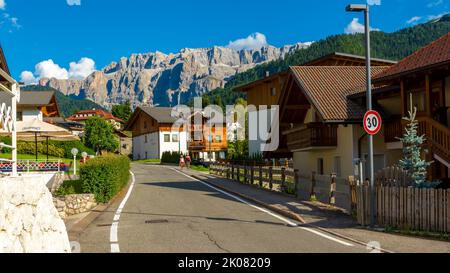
74,204
29,221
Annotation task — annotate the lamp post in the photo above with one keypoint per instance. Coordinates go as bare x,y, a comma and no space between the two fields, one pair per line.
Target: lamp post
365,9
74,153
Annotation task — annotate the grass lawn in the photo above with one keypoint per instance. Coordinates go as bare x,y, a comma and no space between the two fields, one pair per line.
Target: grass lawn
199,168
150,160
33,157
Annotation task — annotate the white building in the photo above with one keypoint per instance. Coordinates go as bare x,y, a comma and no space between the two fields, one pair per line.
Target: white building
153,133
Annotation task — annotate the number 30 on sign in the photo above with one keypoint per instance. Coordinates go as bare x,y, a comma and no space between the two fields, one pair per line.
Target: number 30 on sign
372,122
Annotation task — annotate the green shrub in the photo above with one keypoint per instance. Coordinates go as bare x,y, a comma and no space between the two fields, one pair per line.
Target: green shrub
67,146
30,149
170,157
105,176
70,187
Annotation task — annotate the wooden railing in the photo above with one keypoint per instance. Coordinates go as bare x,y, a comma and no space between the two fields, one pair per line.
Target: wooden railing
393,129
438,137
312,135
327,189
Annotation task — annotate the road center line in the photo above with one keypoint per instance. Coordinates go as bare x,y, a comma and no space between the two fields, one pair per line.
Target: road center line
113,237
290,223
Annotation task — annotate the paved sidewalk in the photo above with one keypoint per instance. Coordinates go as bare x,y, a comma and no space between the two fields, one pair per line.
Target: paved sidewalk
322,216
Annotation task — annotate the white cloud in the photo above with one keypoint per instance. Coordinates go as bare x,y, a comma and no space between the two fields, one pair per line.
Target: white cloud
374,2
2,4
253,41
356,27
15,22
81,69
49,69
413,20
27,77
435,3
73,2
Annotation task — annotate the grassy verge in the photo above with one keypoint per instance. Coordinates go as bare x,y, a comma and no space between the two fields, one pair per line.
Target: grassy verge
199,168
150,160
417,233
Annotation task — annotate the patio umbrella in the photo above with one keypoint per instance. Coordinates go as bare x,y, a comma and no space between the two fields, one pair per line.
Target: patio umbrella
27,130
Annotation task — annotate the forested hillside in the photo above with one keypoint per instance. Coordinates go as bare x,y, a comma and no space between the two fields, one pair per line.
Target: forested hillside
393,46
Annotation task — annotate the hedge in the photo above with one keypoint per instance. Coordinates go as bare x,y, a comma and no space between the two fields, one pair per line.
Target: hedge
30,149
56,148
105,176
67,146
170,157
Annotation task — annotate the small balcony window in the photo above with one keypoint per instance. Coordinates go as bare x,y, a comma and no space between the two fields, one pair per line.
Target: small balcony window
175,138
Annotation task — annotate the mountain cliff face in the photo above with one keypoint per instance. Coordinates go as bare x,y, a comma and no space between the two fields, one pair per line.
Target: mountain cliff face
160,79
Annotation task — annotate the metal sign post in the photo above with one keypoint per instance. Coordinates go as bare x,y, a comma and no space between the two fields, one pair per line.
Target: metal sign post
365,9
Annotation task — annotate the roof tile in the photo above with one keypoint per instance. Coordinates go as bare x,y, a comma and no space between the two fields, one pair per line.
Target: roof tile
327,87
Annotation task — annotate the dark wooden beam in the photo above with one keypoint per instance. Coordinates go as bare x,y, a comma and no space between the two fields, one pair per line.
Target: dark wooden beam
297,107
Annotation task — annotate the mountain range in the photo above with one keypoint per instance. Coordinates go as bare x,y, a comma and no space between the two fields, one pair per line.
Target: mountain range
165,79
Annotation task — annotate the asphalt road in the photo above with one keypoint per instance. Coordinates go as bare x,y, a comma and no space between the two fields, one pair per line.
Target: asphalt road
169,212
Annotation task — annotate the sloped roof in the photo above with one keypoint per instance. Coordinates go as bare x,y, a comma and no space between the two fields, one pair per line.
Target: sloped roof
435,53
36,98
3,63
327,88
97,112
160,114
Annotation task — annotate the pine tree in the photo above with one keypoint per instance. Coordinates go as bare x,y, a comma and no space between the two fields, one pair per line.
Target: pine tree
412,160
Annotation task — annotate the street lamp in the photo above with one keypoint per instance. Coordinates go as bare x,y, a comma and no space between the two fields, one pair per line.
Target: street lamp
365,9
74,152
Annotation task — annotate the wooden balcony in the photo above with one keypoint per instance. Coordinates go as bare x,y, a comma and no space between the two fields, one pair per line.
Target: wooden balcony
196,145
312,136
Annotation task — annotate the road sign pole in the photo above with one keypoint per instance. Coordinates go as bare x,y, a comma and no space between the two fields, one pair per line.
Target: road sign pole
369,107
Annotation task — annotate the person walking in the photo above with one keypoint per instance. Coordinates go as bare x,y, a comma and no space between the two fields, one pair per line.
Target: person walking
181,161
188,161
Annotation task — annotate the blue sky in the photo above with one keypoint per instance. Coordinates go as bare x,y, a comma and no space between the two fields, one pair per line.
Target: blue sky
70,38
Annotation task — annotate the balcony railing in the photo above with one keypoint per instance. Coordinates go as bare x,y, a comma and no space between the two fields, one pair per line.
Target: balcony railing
312,135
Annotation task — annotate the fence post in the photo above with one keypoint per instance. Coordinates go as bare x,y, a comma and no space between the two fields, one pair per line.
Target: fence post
332,189
283,179
59,165
232,171
245,173
296,181
227,170
238,174
252,175
270,177
28,166
260,176
313,184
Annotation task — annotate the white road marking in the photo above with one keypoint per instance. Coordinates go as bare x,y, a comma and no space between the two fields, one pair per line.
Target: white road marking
290,223
113,238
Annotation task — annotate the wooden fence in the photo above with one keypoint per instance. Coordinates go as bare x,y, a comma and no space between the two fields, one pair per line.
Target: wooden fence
328,189
406,207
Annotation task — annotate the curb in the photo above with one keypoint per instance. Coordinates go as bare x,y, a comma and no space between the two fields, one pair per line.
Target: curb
288,214
79,226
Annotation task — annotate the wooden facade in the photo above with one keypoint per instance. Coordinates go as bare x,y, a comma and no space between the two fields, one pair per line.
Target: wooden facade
206,138
428,90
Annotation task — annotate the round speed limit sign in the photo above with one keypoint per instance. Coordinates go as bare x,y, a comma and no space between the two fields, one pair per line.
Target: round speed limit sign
372,122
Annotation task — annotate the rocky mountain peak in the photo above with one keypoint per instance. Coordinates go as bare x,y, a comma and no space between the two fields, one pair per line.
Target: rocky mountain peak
159,78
